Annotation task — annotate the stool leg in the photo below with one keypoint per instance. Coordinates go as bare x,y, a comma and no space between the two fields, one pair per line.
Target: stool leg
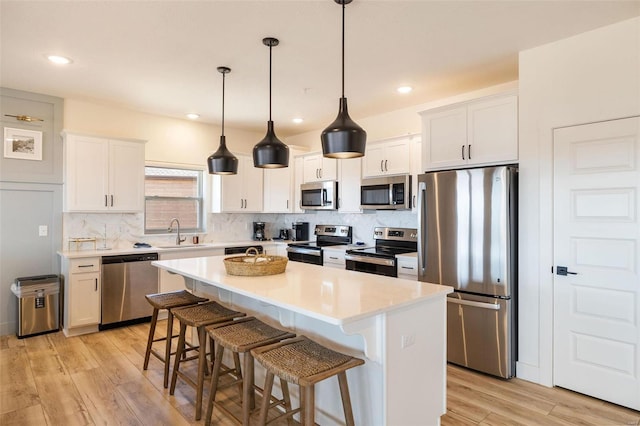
266,398
308,406
238,372
215,376
346,400
179,353
286,398
152,332
202,361
167,348
248,394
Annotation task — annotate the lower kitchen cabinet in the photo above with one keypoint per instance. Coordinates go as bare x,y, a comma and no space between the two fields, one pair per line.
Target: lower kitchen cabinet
333,258
408,266
174,282
81,295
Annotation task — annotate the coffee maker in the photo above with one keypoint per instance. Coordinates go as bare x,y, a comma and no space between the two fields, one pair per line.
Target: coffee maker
300,231
258,231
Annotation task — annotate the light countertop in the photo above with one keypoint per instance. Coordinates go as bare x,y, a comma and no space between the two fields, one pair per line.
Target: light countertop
335,296
77,254
413,255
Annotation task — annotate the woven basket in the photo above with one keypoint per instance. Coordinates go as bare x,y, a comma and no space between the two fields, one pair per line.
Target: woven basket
254,265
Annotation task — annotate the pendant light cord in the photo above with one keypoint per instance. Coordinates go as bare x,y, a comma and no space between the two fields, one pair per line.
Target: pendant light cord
343,7
270,47
223,77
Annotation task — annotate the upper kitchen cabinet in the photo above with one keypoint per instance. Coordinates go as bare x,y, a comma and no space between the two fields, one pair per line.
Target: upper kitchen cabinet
389,157
280,186
480,132
317,168
349,172
239,193
103,175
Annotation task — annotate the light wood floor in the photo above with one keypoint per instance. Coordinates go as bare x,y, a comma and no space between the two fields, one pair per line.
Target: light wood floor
98,379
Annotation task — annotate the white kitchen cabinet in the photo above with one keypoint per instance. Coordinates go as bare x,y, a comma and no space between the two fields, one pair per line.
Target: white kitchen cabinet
279,187
298,179
390,157
480,132
174,282
333,258
103,175
416,169
408,266
81,295
349,172
318,168
239,193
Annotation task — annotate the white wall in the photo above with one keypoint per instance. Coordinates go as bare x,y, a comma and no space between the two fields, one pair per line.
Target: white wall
591,77
169,140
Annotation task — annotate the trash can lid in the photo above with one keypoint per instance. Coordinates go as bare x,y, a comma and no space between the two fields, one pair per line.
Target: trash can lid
36,280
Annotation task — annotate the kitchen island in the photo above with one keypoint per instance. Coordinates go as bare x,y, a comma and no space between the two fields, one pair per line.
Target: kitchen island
398,326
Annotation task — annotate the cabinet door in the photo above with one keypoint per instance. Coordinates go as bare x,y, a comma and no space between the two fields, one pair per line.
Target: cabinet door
252,181
228,189
492,130
277,190
349,185
84,303
416,169
373,161
311,168
86,173
397,157
298,178
328,168
126,176
444,138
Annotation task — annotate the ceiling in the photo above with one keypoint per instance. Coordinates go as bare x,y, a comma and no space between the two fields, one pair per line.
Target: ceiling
161,56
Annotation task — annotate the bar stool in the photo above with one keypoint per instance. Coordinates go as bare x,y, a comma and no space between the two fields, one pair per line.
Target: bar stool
305,363
199,316
240,336
168,301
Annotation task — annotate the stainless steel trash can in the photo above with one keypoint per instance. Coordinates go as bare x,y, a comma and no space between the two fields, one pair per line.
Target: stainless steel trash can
38,304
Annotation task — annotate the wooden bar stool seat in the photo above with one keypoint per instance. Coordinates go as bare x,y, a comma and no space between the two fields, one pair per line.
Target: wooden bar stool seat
199,316
168,301
305,363
241,336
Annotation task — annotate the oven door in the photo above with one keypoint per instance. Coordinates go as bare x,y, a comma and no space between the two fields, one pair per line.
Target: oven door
319,196
298,254
371,265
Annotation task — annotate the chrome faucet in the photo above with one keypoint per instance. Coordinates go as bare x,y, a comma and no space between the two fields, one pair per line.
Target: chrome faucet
178,239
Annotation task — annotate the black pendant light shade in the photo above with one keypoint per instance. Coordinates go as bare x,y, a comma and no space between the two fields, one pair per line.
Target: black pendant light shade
223,162
270,152
343,138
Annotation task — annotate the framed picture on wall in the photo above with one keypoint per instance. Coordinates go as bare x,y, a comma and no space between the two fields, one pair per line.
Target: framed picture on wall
22,144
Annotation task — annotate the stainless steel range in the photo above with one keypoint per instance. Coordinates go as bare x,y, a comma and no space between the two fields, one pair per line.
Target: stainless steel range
381,259
326,235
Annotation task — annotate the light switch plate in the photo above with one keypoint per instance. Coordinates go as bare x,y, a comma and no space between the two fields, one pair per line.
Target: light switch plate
43,230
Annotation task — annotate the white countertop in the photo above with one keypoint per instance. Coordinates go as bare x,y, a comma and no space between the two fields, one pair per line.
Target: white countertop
77,254
335,296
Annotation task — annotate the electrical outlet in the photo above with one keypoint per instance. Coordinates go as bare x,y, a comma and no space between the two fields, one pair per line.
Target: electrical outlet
43,230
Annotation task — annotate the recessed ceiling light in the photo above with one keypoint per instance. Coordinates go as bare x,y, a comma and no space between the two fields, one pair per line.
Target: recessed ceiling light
297,120
193,116
59,60
404,89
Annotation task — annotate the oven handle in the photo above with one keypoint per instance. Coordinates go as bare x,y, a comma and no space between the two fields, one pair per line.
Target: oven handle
372,260
474,304
304,251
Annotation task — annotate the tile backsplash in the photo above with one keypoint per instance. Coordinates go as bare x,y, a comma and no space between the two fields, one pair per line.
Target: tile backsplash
122,230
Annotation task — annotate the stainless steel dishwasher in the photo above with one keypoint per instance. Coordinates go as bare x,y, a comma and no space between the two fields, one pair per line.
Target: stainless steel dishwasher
126,279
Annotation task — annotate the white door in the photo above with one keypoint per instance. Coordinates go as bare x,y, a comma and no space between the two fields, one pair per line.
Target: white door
597,238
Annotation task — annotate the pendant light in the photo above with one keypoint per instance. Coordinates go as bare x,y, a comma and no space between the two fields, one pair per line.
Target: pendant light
270,152
343,138
223,162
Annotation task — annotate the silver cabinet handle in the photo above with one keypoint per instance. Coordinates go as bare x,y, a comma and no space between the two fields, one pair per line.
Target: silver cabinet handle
287,204
469,151
111,200
105,200
462,152
96,284
474,304
320,170
381,169
386,169
241,202
407,267
85,266
333,257
414,201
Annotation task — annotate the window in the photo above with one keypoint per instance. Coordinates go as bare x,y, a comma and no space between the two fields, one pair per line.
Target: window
173,193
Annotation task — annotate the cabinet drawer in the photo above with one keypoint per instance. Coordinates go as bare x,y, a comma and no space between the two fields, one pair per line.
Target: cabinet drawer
333,258
408,268
89,264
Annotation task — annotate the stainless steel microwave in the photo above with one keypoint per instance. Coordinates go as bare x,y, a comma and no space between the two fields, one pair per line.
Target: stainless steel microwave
319,195
386,193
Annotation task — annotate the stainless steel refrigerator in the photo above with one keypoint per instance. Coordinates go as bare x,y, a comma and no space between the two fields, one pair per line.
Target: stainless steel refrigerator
467,239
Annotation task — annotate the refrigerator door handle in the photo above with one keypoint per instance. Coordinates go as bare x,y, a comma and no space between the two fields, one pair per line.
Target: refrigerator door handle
422,228
474,304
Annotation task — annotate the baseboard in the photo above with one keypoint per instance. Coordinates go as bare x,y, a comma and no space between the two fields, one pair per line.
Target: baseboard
8,328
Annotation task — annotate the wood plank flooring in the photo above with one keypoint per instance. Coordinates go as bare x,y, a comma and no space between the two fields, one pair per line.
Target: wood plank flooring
97,379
